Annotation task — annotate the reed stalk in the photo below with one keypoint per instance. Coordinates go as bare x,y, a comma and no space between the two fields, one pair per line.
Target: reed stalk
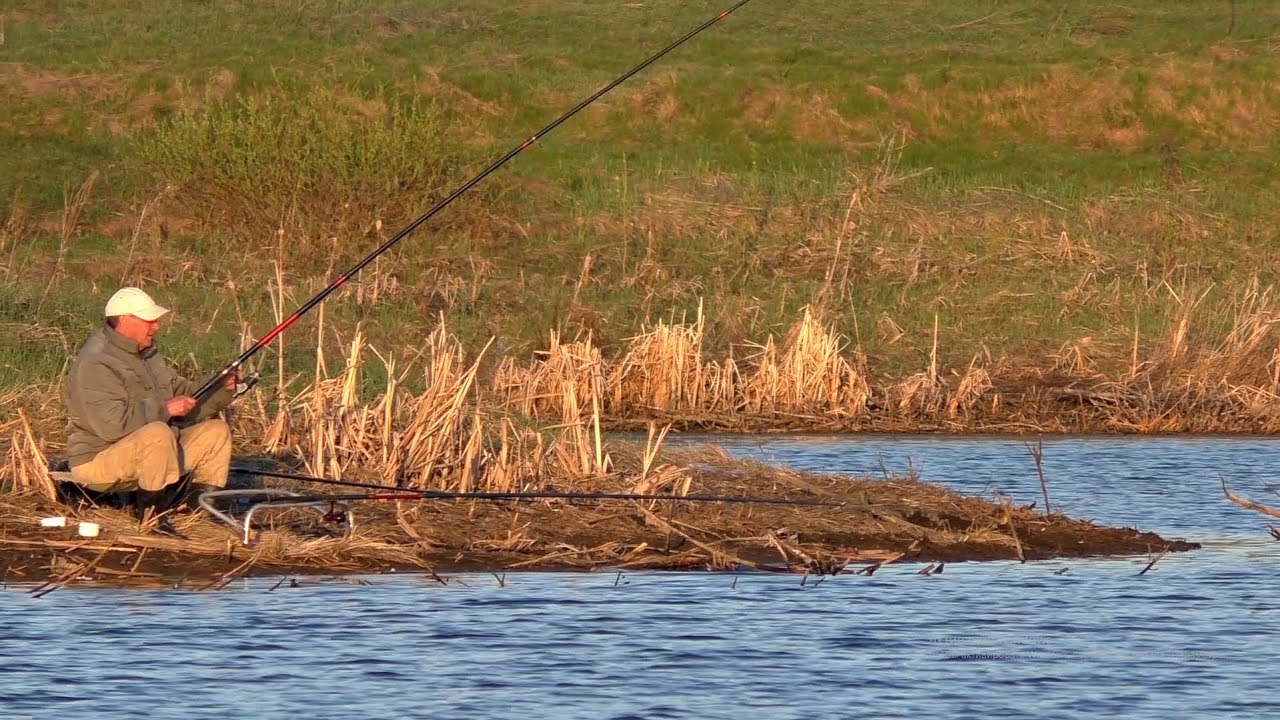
26,470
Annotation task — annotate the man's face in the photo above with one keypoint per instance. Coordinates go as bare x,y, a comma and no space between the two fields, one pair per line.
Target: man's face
138,330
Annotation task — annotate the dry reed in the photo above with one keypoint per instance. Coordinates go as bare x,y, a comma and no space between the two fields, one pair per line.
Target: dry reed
459,431
664,373
26,470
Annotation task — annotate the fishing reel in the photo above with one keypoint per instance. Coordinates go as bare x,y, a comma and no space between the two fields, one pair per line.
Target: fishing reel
243,386
246,384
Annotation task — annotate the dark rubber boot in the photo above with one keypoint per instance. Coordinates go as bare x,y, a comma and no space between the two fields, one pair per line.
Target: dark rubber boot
152,510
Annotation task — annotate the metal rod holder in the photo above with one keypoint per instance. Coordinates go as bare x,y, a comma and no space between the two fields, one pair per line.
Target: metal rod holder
274,499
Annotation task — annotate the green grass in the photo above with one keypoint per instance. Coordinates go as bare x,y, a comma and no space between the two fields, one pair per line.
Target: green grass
1145,132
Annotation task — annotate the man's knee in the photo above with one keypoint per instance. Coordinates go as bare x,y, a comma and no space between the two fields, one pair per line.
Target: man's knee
156,433
206,441
213,431
218,427
207,451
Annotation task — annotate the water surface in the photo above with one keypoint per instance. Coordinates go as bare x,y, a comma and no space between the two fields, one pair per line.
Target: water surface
1193,637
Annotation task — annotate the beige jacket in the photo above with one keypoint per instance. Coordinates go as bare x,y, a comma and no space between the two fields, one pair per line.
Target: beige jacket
114,389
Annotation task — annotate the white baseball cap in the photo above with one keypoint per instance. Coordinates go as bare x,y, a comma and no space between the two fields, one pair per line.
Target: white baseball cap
132,301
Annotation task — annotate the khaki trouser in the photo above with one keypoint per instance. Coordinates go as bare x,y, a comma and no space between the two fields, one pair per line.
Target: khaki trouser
153,457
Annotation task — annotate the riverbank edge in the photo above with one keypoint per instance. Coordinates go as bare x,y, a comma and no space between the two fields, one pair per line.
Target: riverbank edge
871,523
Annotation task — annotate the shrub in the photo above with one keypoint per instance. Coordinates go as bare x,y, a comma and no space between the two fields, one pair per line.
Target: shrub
322,160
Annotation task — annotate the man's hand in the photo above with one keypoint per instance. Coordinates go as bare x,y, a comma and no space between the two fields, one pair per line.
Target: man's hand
231,381
180,405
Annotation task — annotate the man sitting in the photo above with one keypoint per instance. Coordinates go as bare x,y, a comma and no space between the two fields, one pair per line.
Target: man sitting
121,399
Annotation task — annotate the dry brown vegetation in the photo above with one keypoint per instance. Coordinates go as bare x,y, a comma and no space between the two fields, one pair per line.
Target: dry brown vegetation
1180,91
449,419
1214,373
466,430
1088,109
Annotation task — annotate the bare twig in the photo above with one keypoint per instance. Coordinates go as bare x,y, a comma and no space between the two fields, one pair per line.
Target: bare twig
1247,504
1013,531
1037,454
80,570
1153,562
871,569
975,21
235,572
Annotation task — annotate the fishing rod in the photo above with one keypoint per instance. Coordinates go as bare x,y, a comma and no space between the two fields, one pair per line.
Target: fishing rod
382,492
217,380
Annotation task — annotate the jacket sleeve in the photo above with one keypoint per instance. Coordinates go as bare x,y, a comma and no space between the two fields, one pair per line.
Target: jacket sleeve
105,405
216,402
177,383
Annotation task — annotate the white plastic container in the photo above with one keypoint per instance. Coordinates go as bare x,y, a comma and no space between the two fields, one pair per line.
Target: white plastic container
88,529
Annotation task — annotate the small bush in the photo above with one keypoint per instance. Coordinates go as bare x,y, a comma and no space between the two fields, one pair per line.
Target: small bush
320,161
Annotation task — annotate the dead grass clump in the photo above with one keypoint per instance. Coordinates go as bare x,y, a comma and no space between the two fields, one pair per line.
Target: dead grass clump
969,391
662,370
539,390
1213,372
920,395
663,374
423,441
518,461
813,118
432,85
26,469
446,436
569,384
656,98
809,375
923,394
713,207
39,82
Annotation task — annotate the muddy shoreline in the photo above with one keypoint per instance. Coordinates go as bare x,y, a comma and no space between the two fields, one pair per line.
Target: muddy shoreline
875,522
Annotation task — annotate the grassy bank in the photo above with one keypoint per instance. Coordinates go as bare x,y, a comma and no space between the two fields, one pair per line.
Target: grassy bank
1048,187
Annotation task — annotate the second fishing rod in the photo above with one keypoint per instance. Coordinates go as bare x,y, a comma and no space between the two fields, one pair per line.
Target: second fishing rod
216,381
383,492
